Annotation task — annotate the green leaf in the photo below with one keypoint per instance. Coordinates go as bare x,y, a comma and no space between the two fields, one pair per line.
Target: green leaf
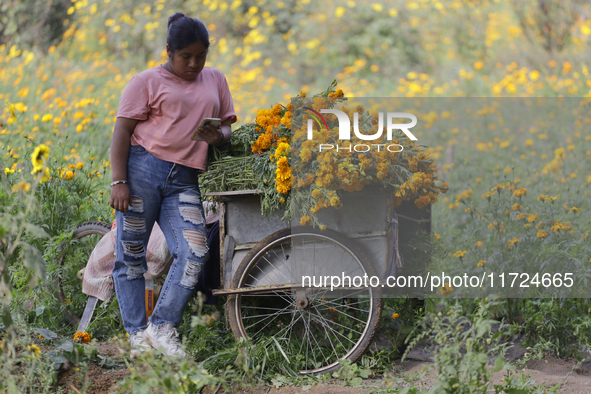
39,310
45,333
57,358
66,346
499,364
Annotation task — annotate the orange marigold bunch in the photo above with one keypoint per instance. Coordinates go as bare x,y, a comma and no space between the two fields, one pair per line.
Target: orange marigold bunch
82,337
268,120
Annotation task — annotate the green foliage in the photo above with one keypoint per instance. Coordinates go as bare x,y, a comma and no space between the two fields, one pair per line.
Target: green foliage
32,22
556,326
154,374
463,348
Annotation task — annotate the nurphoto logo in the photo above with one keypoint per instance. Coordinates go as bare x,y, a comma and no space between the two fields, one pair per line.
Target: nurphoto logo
345,130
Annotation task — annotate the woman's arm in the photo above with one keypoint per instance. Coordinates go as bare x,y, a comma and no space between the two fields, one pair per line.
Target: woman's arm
120,195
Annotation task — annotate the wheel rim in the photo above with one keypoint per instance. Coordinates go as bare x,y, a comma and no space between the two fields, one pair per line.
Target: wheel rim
74,258
312,327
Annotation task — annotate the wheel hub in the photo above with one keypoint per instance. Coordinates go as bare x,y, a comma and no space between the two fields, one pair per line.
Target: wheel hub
302,303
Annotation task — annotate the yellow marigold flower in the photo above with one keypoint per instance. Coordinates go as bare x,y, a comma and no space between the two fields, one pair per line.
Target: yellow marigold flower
479,244
544,198
21,186
559,153
79,165
395,315
69,174
542,233
282,147
481,263
305,220
558,226
531,217
516,207
316,193
46,118
323,227
43,173
305,155
437,236
302,94
446,289
512,242
460,253
38,157
519,192
34,349
336,202
83,337
8,171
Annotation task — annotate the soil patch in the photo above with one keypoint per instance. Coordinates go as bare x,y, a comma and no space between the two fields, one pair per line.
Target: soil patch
575,377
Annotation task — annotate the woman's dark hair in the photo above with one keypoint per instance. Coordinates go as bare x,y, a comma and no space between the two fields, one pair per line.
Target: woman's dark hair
184,31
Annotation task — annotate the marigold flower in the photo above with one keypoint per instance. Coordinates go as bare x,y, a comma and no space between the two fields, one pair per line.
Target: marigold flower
446,289
34,349
82,337
395,316
519,192
46,118
481,263
542,233
305,220
460,253
38,157
22,187
69,174
336,202
558,226
512,242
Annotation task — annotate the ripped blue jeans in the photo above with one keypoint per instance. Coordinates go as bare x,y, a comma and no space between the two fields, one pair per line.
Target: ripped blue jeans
168,193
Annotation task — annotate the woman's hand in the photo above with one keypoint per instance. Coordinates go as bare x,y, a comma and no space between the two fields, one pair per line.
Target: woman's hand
120,197
211,135
216,136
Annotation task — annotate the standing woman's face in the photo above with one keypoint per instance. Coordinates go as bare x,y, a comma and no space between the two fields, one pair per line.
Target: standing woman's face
188,62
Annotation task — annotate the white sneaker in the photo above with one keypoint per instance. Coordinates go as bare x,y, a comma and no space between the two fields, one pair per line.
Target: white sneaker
138,345
165,339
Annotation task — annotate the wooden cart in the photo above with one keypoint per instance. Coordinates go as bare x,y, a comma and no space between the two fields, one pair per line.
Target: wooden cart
265,263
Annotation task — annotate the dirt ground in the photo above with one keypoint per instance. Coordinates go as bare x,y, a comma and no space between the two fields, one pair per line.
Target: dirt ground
575,378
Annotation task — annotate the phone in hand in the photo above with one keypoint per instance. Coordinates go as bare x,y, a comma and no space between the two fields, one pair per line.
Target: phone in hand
215,122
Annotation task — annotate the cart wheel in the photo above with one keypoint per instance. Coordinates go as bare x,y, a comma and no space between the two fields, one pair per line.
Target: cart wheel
312,327
72,260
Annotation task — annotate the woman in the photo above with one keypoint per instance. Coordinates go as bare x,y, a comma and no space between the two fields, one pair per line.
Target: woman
155,179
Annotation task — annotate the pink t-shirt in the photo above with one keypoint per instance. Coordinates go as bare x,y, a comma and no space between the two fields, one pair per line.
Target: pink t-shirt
170,109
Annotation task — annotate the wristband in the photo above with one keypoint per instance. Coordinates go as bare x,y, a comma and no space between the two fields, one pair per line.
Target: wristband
118,182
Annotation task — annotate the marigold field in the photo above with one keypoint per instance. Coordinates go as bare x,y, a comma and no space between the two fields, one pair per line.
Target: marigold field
490,77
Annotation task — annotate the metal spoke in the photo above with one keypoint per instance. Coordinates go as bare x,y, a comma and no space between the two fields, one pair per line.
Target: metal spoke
336,332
